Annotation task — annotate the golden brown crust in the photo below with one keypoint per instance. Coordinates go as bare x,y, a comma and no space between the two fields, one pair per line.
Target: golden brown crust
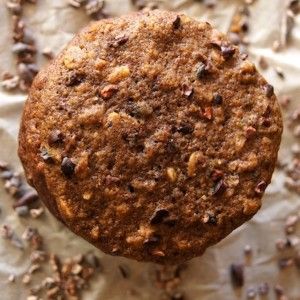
150,136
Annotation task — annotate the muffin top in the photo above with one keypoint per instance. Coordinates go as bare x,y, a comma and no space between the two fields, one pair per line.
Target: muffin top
151,136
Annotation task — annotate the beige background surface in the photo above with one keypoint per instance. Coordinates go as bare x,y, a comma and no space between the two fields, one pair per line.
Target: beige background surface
54,23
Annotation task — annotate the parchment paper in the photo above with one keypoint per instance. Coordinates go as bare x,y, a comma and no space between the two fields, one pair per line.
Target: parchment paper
54,23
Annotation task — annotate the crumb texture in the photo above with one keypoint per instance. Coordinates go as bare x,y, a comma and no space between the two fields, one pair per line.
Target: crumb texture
151,136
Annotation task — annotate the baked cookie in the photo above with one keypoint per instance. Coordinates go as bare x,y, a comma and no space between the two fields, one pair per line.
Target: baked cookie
151,136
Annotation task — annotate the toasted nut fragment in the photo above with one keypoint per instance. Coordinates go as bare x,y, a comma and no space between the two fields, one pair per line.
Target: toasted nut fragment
209,218
250,207
76,269
108,91
122,209
87,195
183,244
118,74
134,240
82,166
207,113
240,143
148,185
248,164
114,117
144,109
73,57
100,64
172,175
64,208
92,115
192,163
142,234
95,232
216,58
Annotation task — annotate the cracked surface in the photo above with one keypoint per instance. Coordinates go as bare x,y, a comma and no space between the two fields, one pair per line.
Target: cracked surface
150,136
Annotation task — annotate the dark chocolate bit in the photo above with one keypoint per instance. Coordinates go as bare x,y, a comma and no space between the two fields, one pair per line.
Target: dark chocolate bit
216,44
218,188
68,167
216,175
177,23
130,188
209,218
187,91
260,188
6,232
185,129
250,131
237,275
20,47
28,198
74,79
284,263
159,216
210,3
22,211
227,51
269,90
119,40
244,56
14,7
3,165
48,53
268,111
245,26
266,122
294,6
25,73
263,63
170,222
15,181
6,175
56,137
45,155
93,261
171,146
278,289
217,99
202,70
